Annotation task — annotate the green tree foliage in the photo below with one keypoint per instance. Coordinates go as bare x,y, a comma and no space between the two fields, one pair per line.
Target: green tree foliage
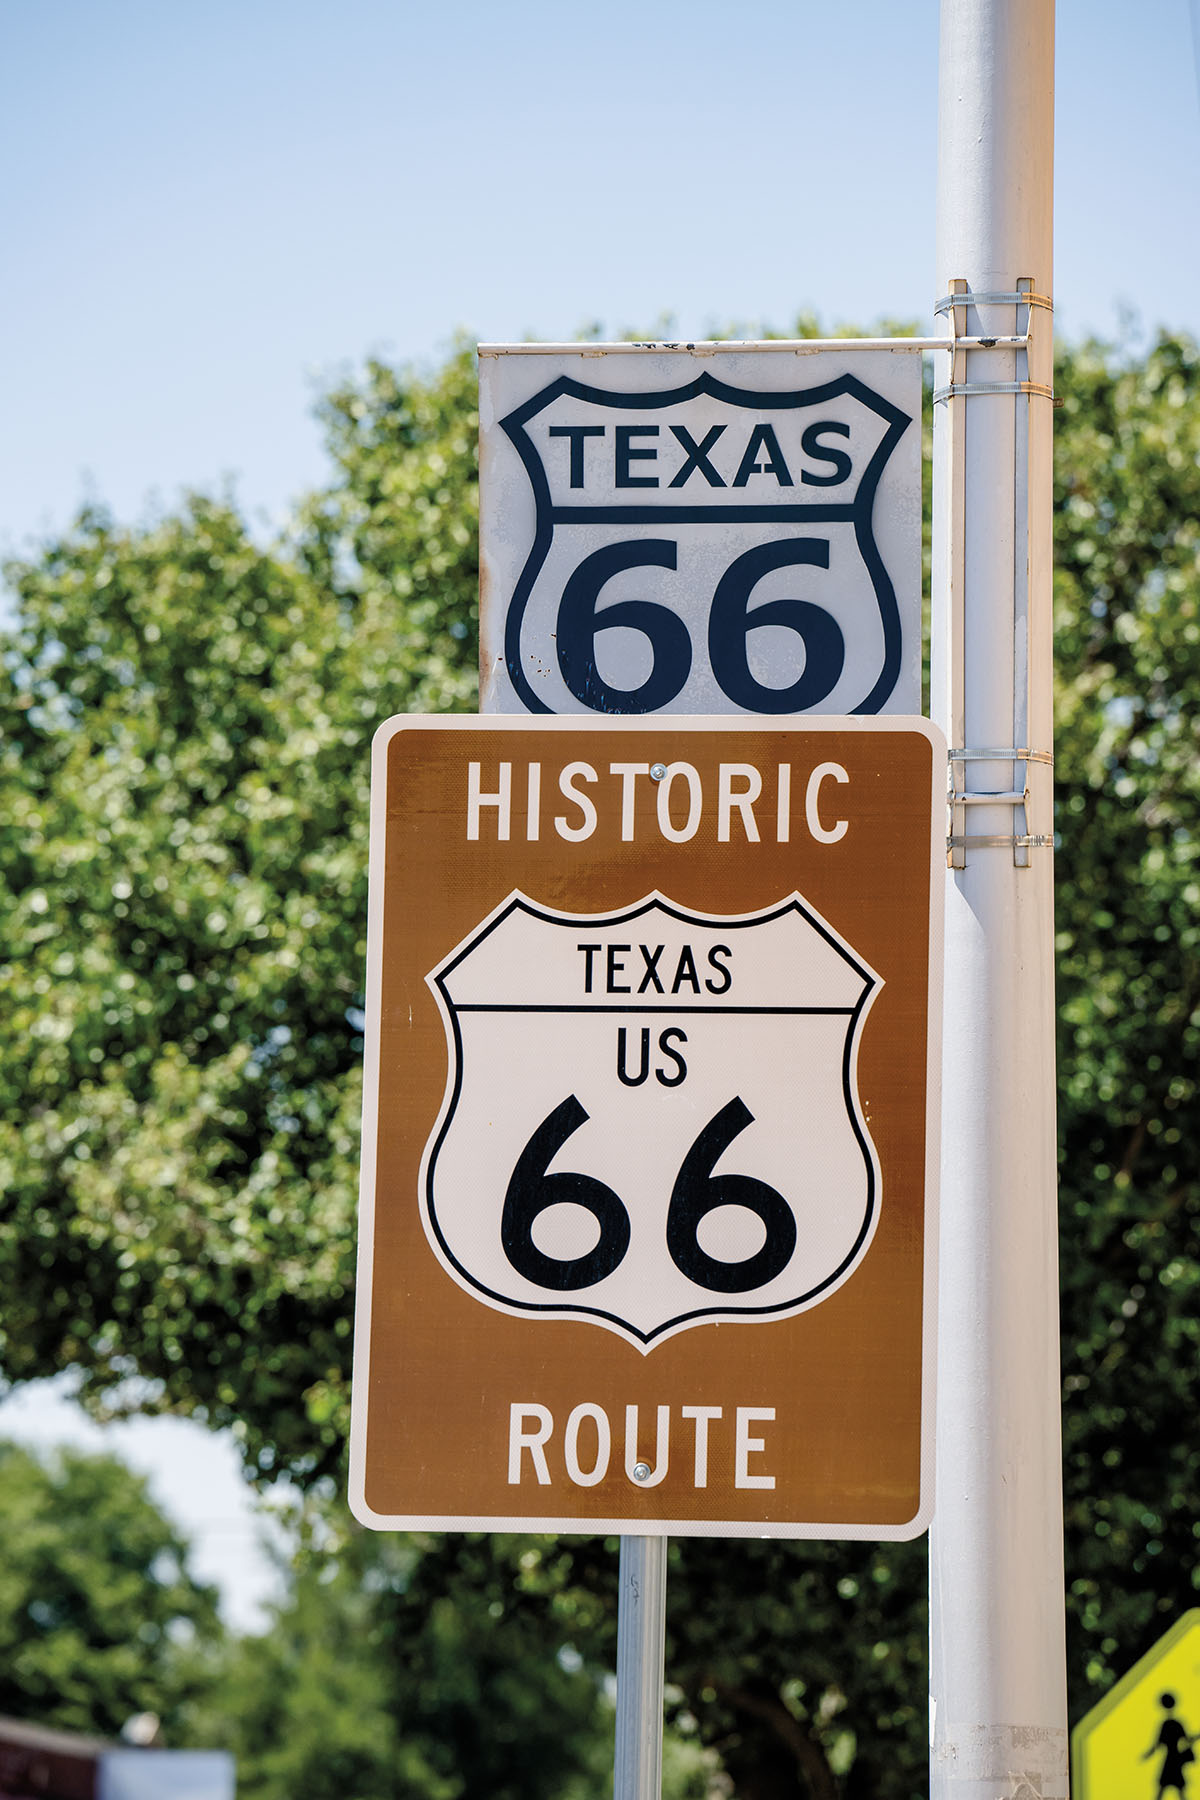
1128,921
185,722
802,1665
99,1617
428,1668
184,726
394,1673
396,534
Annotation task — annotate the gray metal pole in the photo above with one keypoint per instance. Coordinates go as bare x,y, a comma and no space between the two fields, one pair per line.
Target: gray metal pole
641,1619
998,1680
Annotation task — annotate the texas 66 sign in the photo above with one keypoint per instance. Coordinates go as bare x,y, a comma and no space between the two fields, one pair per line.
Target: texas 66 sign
649,1126
700,529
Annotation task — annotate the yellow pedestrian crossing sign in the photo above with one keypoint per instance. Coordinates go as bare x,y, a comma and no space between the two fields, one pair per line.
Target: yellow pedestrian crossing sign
1142,1742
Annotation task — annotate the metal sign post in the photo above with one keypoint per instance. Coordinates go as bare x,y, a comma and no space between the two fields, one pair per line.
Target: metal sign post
641,1618
998,1683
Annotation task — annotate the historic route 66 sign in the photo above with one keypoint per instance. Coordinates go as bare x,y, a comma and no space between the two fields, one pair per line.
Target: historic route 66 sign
687,1141
649,1131
700,529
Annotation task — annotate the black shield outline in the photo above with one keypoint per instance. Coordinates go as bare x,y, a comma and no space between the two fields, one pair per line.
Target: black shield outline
859,513
518,902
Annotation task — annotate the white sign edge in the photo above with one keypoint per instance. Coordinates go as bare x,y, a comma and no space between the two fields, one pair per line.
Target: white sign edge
878,723
714,346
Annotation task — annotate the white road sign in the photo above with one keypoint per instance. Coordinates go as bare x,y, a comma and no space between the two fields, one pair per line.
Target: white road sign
700,529
652,1231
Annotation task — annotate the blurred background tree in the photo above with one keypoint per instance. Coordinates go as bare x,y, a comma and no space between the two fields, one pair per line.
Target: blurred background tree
99,1616
390,1669
1127,497
184,724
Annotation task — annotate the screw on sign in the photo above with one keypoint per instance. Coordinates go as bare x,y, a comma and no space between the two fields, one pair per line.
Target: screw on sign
648,1131
1141,1741
699,529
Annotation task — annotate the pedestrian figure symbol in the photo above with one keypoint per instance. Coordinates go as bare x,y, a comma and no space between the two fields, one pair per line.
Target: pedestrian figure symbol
1139,1742
1176,1745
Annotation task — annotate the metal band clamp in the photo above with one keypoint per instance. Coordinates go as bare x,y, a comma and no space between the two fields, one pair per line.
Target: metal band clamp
1008,755
992,387
949,302
1014,753
1026,841
1017,796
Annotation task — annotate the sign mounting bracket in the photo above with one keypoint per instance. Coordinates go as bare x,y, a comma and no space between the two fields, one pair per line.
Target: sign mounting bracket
1018,792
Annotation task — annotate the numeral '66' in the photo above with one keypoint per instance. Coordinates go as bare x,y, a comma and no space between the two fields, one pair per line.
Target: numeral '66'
697,1192
730,622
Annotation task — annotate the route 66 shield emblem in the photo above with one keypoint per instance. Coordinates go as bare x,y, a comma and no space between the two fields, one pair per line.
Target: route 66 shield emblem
669,529
652,1117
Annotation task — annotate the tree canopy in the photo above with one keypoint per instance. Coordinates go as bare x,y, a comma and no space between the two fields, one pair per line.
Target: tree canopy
99,1616
1128,921
184,724
389,1672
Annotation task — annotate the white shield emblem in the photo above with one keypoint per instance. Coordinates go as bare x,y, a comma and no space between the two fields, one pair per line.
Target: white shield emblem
652,1117
705,548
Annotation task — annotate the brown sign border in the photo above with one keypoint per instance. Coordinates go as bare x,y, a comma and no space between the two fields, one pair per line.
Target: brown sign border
644,1521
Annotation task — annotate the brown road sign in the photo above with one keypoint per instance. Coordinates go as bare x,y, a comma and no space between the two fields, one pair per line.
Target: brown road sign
649,1140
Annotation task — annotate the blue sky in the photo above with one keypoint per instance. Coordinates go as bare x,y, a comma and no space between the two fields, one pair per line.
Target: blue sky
212,209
